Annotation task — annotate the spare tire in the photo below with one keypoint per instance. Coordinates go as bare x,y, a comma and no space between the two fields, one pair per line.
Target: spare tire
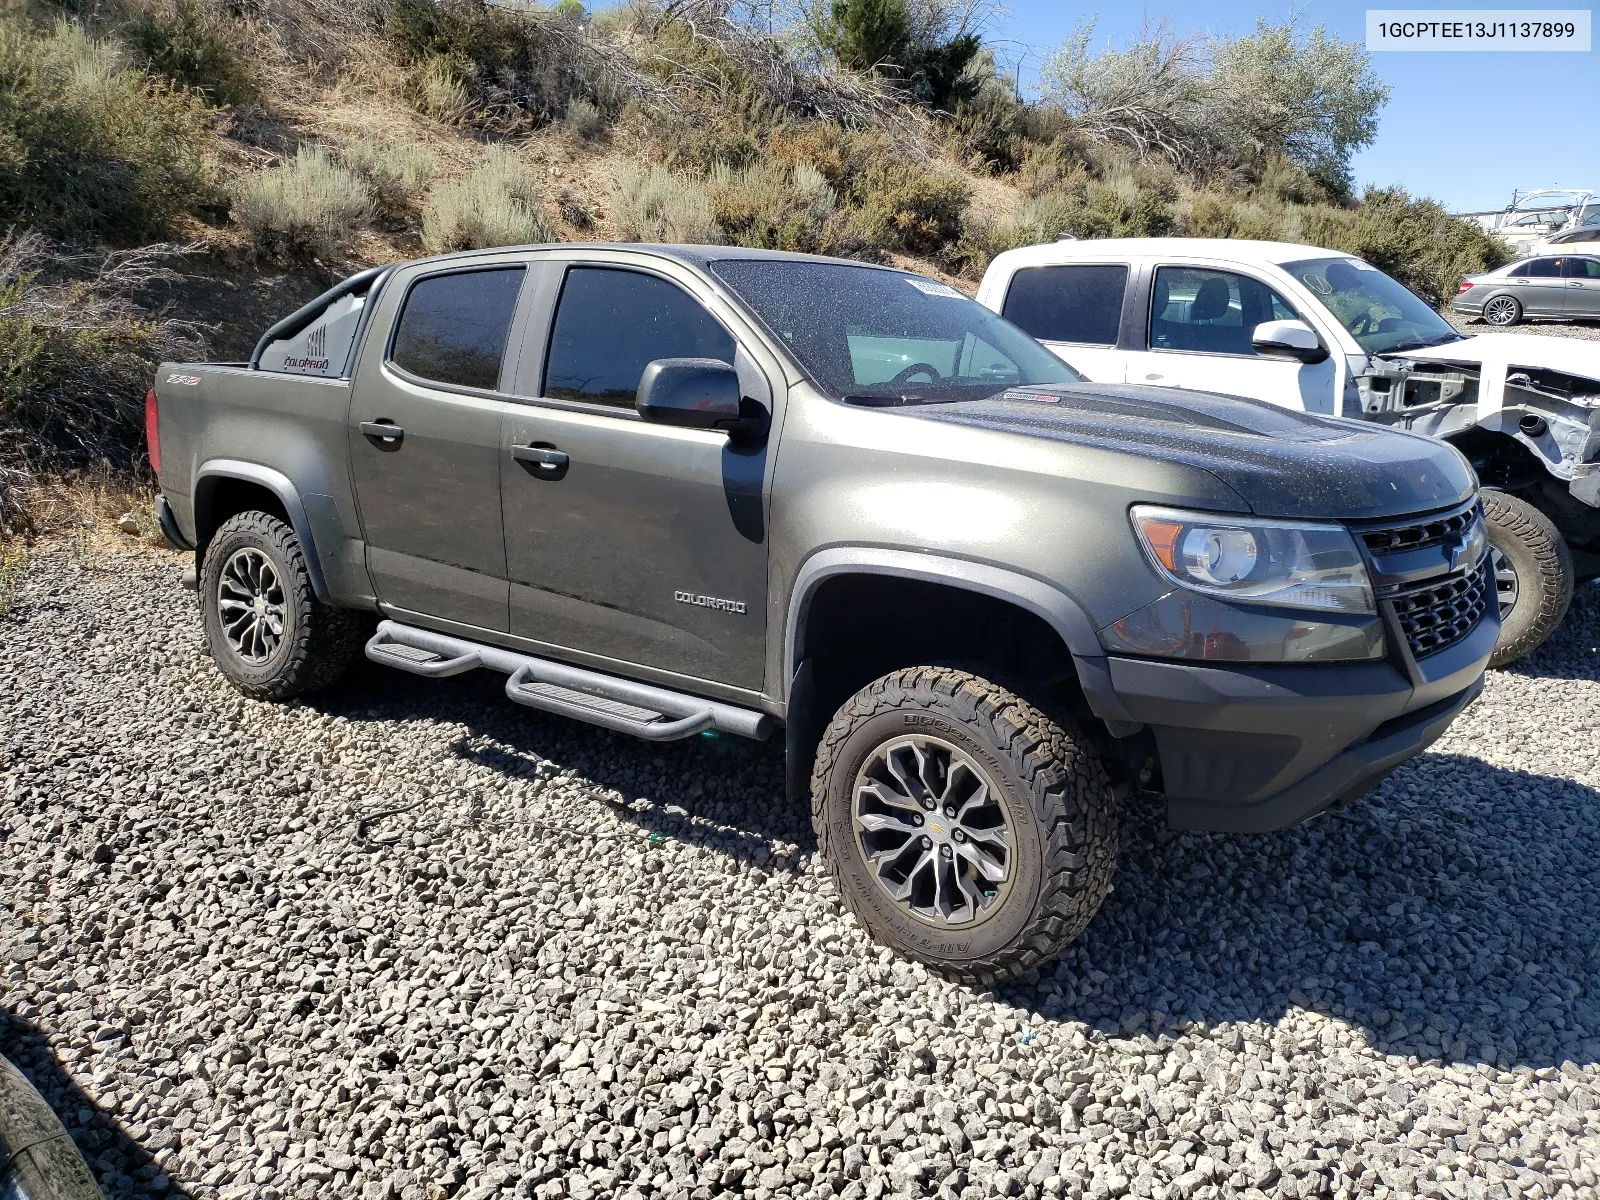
38,1158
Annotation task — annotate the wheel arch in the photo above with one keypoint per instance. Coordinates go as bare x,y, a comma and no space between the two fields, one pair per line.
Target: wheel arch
225,487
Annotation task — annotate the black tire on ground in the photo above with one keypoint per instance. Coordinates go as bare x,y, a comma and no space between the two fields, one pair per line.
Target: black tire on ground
1502,311
1534,550
306,648
1051,792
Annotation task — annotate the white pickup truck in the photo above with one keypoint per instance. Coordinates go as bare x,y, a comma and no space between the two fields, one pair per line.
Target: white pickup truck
1317,330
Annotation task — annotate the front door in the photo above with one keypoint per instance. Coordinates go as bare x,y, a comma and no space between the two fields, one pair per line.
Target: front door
425,432
1198,336
1583,289
627,542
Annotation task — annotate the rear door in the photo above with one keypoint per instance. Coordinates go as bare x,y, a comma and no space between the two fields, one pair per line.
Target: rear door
425,423
634,546
1583,288
1076,309
1198,331
1539,287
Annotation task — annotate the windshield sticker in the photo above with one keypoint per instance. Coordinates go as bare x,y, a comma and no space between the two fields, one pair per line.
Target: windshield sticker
1317,283
929,288
1359,265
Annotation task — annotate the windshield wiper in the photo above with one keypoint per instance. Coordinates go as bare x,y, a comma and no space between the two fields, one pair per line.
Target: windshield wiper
1425,343
870,400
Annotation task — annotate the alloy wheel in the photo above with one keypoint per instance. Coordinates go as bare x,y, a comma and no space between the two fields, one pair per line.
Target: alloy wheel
932,829
1500,311
1506,585
250,603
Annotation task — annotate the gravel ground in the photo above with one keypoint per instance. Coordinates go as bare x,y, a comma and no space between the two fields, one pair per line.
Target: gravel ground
413,941
1584,330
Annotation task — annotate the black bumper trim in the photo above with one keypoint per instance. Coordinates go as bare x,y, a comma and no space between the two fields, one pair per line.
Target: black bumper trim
169,525
1350,775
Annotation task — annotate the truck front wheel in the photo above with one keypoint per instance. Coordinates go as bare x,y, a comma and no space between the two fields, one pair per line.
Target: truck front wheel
268,632
963,826
1533,575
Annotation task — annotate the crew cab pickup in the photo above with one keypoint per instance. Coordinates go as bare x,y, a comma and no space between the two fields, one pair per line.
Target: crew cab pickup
1317,330
675,489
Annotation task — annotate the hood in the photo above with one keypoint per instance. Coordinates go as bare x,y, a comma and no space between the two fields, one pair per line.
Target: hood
1281,463
1571,356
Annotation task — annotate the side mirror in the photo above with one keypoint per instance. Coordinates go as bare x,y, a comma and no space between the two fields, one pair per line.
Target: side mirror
1293,340
697,393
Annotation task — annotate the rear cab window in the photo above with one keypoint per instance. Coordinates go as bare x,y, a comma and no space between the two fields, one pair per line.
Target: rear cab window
454,327
1079,303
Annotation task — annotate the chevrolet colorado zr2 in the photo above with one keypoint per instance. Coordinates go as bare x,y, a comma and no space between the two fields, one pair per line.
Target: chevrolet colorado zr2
675,489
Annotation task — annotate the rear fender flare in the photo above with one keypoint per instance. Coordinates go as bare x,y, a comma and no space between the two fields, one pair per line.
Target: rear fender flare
1057,609
280,486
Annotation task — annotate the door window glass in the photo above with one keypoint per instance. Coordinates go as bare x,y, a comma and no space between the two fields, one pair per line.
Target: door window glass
1213,312
1518,272
453,327
1545,268
1068,304
611,324
1583,268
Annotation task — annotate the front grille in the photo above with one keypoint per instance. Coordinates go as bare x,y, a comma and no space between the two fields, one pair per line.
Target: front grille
1439,614
1427,532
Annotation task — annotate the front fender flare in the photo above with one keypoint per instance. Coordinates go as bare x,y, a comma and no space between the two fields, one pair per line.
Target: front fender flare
1057,609
281,486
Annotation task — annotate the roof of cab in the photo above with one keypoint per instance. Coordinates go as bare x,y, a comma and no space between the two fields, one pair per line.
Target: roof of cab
1239,250
699,256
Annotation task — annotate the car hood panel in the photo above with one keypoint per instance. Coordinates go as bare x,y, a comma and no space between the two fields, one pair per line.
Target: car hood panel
1282,463
1570,356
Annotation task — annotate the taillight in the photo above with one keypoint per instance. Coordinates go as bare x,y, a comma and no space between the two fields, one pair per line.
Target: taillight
152,434
1466,286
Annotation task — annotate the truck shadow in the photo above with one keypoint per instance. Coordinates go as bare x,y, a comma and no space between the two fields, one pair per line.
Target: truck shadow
1438,917
122,1168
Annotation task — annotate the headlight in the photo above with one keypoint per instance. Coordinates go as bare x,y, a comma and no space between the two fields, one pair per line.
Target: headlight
1289,563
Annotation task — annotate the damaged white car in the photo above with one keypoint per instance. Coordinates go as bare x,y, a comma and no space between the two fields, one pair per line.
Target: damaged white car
1318,330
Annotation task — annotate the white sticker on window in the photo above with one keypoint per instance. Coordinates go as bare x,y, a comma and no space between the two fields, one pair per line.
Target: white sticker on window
1359,265
929,288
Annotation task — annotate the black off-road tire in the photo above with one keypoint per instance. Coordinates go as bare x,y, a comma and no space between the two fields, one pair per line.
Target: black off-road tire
318,643
1057,799
1534,549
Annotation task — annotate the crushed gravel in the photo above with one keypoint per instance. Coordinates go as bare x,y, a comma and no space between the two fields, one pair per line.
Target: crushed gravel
1583,330
412,941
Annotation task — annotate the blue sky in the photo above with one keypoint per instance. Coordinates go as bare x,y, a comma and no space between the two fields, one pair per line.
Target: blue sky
1463,128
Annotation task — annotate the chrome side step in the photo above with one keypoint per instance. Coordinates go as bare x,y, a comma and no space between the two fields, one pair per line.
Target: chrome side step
654,713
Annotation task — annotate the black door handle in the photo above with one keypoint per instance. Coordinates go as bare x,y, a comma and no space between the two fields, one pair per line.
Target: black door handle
385,432
546,458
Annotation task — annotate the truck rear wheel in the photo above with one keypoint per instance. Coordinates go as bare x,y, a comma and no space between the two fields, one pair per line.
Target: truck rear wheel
963,826
268,632
1533,575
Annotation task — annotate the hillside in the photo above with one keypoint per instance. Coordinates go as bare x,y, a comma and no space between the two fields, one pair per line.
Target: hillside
178,173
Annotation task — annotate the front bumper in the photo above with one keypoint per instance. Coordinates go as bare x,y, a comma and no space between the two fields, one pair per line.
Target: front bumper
1251,749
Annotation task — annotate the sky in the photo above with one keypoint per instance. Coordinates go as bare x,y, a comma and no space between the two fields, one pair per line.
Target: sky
1462,128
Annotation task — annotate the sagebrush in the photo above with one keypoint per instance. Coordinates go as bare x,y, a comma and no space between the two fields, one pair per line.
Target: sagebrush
497,204
308,207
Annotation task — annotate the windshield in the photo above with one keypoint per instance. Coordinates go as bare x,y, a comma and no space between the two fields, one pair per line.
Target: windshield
886,337
1380,314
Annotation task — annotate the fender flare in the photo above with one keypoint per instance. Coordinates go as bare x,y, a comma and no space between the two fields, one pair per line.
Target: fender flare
1057,609
280,486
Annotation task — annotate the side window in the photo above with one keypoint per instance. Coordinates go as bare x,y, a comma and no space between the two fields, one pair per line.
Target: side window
1583,268
1545,268
453,327
1068,304
1518,272
1212,312
612,323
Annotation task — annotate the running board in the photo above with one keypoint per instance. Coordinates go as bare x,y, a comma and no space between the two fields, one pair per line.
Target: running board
653,713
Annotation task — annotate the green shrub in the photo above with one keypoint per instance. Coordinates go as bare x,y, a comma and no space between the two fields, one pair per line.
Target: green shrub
309,206
439,87
397,164
495,205
583,121
898,205
195,49
659,205
88,146
772,205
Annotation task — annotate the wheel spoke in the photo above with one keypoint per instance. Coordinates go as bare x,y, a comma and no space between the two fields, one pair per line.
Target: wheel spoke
874,822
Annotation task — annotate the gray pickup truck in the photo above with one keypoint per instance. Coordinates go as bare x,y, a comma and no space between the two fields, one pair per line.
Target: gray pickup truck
676,489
